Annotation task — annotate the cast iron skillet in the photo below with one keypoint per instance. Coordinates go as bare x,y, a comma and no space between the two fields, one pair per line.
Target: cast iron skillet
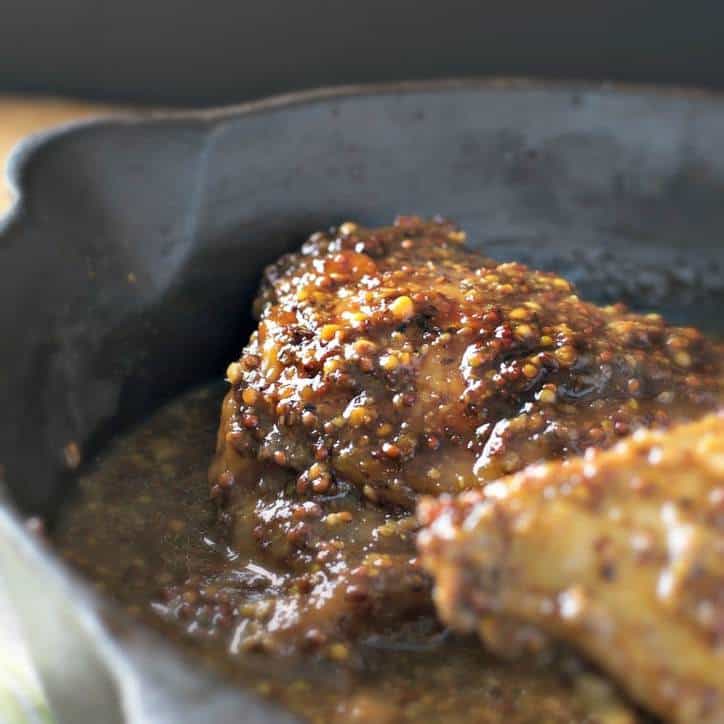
129,261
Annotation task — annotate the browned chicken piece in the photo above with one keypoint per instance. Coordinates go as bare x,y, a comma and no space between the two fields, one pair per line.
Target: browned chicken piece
391,362
399,361
619,553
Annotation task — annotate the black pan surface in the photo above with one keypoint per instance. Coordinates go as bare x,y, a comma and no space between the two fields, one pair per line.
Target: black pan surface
129,261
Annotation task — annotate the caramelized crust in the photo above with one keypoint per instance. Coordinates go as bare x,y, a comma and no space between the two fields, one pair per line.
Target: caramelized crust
397,360
620,553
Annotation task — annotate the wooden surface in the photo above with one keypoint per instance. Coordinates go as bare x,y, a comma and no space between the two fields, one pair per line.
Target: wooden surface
21,116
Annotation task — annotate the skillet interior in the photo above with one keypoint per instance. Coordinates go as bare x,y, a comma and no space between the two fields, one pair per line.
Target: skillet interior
128,267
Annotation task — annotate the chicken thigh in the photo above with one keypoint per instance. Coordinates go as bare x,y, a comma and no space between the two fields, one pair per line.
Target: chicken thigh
619,553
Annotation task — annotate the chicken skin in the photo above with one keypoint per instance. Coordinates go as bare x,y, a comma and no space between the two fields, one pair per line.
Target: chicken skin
619,553
399,361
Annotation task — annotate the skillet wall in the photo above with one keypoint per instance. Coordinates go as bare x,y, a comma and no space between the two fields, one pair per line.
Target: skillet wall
128,270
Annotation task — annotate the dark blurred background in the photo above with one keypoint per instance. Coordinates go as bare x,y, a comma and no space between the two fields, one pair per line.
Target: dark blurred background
193,52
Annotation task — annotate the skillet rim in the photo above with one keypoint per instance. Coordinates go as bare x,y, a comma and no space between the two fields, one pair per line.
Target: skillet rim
22,153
